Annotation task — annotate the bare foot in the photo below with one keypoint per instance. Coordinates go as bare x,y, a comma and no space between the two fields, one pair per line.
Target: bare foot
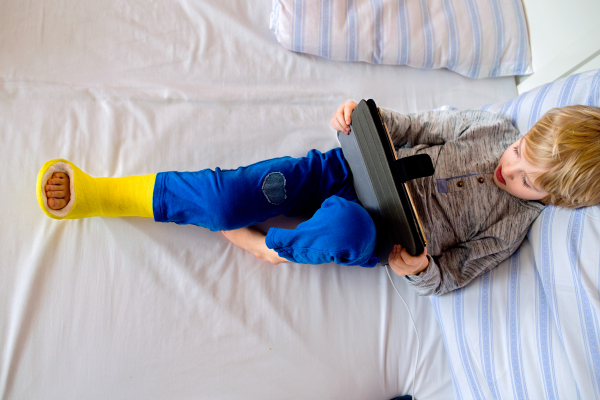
58,190
253,241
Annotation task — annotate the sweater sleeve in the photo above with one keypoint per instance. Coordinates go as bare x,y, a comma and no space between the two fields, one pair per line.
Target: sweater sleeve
429,128
457,266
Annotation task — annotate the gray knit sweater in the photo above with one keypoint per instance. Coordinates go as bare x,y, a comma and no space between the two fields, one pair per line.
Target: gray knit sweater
471,225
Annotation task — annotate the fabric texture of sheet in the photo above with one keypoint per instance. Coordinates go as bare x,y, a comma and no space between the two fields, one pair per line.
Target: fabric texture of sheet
528,329
127,308
476,38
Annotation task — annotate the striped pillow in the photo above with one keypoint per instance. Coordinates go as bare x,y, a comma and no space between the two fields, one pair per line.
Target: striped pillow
526,109
476,38
530,328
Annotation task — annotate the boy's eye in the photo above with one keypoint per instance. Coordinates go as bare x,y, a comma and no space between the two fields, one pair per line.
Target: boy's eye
516,149
525,183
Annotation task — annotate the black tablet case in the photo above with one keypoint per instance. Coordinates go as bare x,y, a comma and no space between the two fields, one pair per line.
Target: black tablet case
379,178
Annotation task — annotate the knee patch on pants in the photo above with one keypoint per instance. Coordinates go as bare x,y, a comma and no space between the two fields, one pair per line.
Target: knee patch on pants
273,188
97,197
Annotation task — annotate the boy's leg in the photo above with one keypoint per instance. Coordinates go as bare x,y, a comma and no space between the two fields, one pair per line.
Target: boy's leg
231,199
341,231
252,240
89,196
218,200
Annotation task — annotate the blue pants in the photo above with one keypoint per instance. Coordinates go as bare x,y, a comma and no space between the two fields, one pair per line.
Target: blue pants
320,184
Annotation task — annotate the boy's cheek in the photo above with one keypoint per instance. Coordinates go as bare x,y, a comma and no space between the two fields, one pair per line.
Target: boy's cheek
506,189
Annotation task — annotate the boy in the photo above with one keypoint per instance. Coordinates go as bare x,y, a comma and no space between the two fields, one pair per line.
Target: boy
488,188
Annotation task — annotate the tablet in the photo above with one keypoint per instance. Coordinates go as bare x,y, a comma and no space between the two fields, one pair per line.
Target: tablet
379,179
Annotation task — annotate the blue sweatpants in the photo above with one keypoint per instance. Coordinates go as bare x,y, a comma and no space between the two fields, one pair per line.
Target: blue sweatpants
320,184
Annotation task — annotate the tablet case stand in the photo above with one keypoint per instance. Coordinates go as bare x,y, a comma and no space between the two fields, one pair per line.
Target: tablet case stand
379,179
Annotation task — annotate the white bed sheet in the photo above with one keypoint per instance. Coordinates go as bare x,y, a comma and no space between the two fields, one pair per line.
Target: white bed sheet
129,308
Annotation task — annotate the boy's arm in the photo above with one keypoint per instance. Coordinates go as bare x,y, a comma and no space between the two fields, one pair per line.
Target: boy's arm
430,128
457,266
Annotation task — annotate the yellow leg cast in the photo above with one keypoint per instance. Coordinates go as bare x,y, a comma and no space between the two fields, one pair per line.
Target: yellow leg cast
129,196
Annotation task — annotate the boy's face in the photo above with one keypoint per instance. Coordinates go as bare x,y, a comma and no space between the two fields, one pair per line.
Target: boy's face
516,175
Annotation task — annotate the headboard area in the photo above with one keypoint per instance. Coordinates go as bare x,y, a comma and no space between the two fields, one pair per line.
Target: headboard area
564,37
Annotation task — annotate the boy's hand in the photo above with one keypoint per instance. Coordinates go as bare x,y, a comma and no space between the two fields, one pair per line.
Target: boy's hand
404,264
341,119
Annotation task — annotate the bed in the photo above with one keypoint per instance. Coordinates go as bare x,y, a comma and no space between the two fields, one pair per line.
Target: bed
127,308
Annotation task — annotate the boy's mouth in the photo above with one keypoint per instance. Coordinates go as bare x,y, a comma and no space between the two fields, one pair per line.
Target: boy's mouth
499,175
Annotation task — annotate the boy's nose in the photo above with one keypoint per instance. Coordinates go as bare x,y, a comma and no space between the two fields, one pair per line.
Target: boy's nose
509,171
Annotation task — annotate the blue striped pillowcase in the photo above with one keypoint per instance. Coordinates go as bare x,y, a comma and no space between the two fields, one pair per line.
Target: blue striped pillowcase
530,328
476,38
526,109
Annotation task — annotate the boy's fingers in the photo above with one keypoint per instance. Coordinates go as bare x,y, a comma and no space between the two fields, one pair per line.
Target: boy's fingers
347,112
342,122
396,263
408,259
396,254
335,124
337,127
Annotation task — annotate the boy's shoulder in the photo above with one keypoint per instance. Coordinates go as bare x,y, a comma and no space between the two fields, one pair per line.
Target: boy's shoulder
533,205
517,216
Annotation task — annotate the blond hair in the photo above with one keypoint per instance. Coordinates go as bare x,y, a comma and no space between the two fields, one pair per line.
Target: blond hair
566,143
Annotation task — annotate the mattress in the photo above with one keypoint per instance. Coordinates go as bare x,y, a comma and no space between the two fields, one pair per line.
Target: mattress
128,308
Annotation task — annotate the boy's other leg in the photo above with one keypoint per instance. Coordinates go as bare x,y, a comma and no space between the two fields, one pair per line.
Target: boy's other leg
341,231
230,199
252,240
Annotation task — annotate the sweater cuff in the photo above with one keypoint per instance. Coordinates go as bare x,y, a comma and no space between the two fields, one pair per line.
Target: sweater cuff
427,280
